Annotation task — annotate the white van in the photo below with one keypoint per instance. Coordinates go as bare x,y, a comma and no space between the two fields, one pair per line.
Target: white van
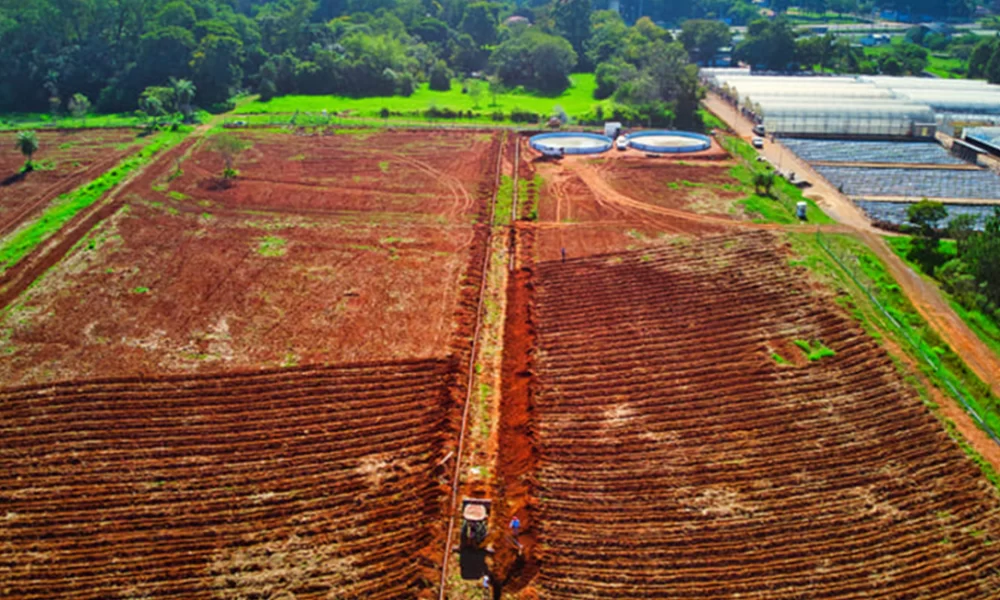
621,143
757,142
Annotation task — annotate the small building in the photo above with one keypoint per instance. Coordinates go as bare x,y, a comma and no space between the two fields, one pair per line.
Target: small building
612,129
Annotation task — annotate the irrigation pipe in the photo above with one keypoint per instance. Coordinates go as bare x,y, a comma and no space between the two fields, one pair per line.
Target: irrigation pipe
453,505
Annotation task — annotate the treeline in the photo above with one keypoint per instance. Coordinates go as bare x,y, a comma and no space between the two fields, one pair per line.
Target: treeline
778,45
984,60
128,54
742,12
972,274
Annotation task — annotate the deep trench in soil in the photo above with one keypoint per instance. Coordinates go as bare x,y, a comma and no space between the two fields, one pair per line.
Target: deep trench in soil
514,561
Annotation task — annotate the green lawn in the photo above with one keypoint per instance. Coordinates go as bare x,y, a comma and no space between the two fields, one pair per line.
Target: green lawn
577,100
42,120
937,64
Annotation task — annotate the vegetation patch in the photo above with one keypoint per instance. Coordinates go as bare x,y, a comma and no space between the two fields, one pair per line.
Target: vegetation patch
814,350
271,245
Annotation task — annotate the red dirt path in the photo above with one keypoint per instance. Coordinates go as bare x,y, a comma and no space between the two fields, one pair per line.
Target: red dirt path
307,483
678,459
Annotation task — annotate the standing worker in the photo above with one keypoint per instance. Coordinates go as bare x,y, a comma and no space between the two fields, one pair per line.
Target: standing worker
515,525
564,254
486,585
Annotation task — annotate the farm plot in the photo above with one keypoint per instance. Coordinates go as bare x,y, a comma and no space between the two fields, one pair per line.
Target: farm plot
65,160
317,483
703,189
187,277
928,153
916,183
708,426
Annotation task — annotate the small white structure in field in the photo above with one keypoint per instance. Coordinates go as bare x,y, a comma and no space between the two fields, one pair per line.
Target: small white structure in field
612,129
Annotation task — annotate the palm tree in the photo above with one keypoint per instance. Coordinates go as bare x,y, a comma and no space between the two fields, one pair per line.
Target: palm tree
27,143
184,92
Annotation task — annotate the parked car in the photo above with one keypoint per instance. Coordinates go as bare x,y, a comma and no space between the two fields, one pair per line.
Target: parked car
757,142
758,130
621,143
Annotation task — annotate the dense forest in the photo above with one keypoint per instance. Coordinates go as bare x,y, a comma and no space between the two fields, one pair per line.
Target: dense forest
114,55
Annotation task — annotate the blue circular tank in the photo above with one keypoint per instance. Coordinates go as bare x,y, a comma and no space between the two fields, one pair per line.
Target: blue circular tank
571,142
669,141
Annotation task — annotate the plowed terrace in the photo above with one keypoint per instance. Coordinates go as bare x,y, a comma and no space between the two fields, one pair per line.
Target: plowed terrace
303,483
689,449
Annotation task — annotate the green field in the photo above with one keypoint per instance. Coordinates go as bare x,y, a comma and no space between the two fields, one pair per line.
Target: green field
577,100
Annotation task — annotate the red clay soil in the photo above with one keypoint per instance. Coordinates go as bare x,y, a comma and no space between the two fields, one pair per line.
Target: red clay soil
186,283
517,460
704,189
678,458
67,160
299,483
433,172
15,280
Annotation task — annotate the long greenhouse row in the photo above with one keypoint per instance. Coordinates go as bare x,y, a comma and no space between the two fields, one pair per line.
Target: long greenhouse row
913,183
864,151
851,105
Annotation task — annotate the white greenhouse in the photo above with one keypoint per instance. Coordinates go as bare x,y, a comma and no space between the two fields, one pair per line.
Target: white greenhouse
842,117
853,105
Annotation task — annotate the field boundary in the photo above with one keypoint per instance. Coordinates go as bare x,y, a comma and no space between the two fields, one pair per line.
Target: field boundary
917,345
469,387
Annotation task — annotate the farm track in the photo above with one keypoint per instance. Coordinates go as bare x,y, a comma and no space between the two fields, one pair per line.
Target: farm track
678,459
313,481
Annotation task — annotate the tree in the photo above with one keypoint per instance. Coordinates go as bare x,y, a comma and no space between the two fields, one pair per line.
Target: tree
216,65
184,92
607,32
534,59
229,147
926,216
763,181
572,18
980,57
769,44
703,38
27,143
440,77
79,105
480,23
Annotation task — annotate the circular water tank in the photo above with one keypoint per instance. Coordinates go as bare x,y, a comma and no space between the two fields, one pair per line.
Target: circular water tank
669,141
571,142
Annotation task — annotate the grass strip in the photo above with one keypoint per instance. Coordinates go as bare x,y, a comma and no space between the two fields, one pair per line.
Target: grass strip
782,206
60,211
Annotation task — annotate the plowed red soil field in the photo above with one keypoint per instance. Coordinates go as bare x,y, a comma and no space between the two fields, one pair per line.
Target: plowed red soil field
66,159
688,448
300,483
328,249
